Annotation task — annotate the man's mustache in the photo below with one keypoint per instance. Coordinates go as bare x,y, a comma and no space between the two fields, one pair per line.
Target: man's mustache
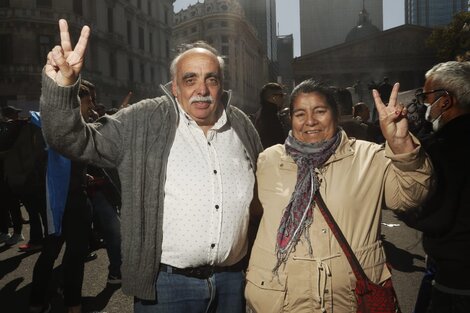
207,99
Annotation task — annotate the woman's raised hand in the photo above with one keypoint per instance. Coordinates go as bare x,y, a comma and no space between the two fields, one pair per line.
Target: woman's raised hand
393,122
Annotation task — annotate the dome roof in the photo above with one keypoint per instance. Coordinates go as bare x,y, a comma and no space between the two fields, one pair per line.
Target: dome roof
363,28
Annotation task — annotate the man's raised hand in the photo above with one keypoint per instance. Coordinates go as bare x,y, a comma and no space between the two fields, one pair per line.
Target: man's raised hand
64,63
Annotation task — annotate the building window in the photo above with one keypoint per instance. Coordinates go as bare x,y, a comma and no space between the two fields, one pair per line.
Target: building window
130,68
6,52
152,75
151,42
44,3
139,4
78,7
224,39
4,3
112,65
142,72
141,38
193,29
45,43
129,33
224,24
149,8
165,16
210,25
167,48
110,20
224,50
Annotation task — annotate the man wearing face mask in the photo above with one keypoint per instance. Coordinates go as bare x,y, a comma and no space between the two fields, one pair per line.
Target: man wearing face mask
445,217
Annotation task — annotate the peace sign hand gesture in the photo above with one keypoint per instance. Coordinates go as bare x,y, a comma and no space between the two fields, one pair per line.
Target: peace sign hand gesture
64,63
393,122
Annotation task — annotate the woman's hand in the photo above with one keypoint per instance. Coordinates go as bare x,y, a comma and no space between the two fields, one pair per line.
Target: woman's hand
393,122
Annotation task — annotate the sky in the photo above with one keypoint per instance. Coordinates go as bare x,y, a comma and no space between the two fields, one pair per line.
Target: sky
288,16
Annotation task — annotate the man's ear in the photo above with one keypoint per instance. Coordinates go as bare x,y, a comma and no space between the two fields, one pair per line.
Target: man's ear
448,101
174,88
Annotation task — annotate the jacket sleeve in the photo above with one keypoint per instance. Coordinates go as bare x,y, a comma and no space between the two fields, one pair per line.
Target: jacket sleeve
66,132
407,178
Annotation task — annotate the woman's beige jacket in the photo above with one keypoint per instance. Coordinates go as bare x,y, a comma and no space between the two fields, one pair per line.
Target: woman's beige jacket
358,180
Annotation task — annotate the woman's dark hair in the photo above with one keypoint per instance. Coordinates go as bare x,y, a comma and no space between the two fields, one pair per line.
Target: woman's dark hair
311,86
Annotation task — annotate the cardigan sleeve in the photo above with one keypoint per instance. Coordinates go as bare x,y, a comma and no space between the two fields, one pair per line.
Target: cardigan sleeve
66,132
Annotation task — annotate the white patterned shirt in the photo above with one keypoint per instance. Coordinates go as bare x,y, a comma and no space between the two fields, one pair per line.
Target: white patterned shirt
208,190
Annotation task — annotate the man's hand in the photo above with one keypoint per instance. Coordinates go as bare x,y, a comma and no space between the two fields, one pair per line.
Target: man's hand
393,122
64,63
125,101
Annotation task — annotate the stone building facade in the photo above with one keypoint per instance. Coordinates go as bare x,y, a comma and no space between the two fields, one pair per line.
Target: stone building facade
129,47
398,53
222,24
325,23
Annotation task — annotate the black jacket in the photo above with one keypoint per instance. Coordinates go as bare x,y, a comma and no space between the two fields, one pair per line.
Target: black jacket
445,217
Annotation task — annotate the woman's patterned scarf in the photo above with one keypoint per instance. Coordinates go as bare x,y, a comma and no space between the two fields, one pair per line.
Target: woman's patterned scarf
298,214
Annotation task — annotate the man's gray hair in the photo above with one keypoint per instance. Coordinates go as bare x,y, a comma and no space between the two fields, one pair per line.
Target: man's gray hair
454,77
183,48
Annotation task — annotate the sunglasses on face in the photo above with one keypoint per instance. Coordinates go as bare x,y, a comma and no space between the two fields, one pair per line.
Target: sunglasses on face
421,96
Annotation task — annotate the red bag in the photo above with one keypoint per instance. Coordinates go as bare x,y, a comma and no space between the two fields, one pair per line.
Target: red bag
373,298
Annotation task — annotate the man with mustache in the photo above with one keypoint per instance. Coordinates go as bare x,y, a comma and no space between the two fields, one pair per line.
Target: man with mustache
186,162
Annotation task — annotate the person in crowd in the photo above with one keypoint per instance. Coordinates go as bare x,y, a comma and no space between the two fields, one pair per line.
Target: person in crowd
25,172
418,124
352,127
186,161
10,210
267,122
444,218
296,263
100,109
88,101
104,192
385,89
361,112
69,222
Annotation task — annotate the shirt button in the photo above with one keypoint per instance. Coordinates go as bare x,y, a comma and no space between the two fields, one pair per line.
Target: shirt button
213,245
215,171
208,143
323,230
217,206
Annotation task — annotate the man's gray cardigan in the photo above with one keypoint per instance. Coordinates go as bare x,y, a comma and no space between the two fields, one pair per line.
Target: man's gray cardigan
136,141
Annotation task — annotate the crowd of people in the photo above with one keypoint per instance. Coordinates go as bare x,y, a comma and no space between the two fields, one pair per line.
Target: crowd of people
203,209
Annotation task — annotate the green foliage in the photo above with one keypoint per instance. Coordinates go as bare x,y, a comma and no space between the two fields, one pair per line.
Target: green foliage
452,42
